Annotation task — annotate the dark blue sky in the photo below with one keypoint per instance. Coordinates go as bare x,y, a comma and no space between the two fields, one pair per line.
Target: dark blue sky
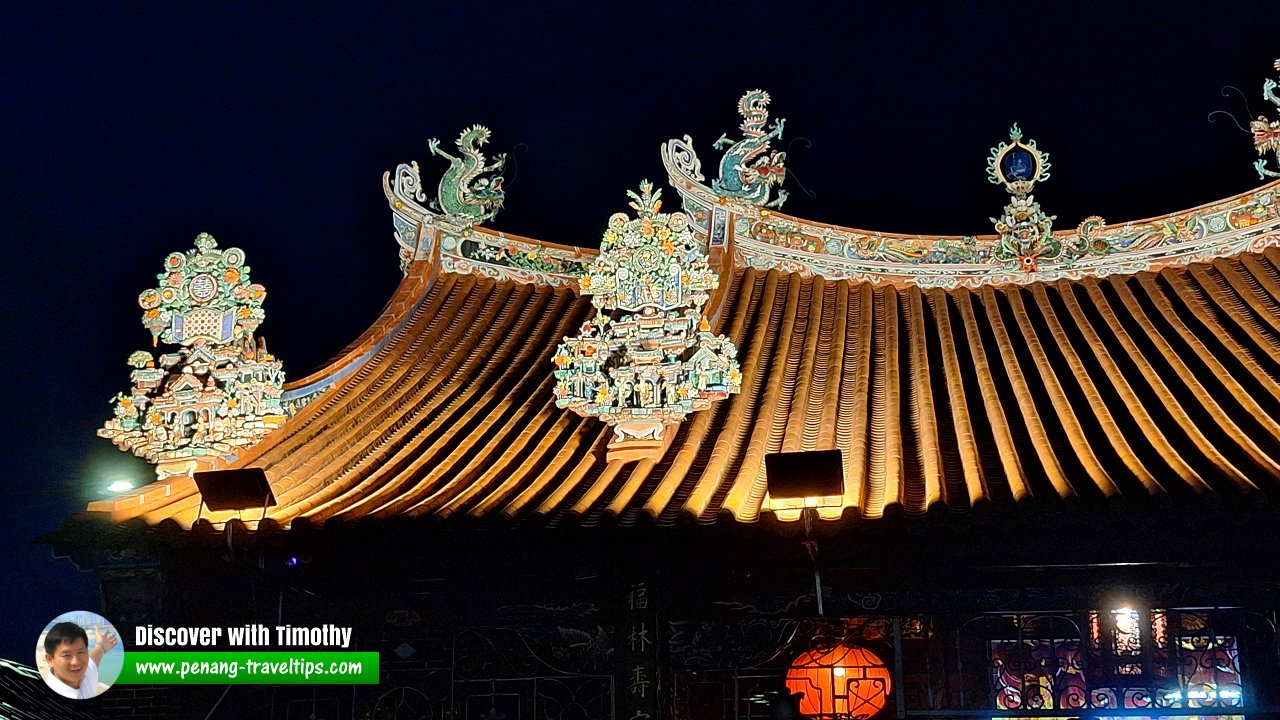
127,132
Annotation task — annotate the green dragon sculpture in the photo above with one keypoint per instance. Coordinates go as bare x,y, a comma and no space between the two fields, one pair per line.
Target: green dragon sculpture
748,169
463,193
1266,136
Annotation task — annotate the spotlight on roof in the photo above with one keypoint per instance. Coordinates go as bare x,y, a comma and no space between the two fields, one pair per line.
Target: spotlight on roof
119,486
805,481
238,489
809,479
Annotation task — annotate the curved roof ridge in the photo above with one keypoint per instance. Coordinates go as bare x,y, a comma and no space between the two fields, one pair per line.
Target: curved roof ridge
408,294
763,238
1223,254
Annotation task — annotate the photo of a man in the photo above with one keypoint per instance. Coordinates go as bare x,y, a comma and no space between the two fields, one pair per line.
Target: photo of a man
72,666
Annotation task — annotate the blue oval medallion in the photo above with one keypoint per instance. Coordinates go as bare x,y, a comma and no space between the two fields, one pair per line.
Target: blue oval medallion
1018,164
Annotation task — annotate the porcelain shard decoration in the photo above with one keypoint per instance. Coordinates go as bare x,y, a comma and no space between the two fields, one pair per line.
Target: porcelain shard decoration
220,390
469,194
470,191
1026,232
647,358
1266,135
749,169
1026,250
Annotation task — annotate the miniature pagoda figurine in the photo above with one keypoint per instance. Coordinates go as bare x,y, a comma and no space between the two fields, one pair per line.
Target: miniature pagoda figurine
219,392
749,170
1266,136
644,369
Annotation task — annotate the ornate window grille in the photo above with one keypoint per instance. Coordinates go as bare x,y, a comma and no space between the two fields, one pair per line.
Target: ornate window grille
1101,664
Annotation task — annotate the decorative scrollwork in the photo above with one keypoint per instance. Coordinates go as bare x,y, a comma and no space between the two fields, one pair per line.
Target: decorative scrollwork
409,182
685,158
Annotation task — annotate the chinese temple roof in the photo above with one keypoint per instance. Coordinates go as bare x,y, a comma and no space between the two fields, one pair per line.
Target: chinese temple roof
1090,373
1087,396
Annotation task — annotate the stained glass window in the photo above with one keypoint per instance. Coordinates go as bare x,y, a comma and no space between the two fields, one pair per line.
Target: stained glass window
1038,674
1132,660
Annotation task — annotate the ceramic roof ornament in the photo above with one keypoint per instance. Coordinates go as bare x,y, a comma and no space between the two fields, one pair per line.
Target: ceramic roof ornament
447,229
1026,232
219,392
470,191
749,169
647,358
1266,135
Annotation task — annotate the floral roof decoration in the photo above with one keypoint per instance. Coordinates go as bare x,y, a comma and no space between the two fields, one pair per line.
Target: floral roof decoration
221,389
653,260
647,358
203,293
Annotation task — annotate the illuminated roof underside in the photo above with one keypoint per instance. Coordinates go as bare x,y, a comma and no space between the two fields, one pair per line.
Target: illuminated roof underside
1051,373
1085,396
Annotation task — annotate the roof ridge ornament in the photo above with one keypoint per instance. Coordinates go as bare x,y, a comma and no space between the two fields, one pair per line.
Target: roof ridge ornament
1026,232
465,195
469,194
647,358
221,389
749,169
1266,135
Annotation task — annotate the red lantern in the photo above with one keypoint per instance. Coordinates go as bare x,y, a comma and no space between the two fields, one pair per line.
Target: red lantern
843,681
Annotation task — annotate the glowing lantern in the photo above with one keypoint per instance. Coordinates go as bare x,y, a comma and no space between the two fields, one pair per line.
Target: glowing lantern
843,681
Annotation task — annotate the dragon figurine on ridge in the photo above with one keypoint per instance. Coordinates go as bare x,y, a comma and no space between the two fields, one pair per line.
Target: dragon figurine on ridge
748,168
463,193
1266,135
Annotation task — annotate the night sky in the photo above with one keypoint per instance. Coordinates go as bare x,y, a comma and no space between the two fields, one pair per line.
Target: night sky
125,134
